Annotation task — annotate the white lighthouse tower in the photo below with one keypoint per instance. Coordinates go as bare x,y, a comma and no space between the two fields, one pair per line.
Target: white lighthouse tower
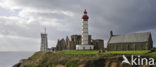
84,36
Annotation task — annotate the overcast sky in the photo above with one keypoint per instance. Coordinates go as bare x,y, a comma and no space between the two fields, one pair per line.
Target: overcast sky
22,21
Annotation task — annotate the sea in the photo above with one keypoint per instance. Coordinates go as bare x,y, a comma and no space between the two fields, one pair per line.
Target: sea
10,58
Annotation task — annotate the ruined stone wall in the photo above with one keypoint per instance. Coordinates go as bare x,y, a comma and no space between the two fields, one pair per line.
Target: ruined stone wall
98,44
61,45
76,40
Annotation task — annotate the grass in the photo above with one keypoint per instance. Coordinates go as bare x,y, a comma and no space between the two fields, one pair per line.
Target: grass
79,52
73,58
127,52
153,53
108,52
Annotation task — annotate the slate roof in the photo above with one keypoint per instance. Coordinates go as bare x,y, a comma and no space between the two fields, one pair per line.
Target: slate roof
133,37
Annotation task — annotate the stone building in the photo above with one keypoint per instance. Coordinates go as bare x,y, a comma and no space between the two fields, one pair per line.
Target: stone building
76,39
61,45
133,41
98,44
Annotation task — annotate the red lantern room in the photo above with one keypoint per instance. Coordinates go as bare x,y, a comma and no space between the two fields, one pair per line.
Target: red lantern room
85,17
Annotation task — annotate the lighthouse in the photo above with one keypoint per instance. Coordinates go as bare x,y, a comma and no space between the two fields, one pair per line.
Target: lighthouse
84,35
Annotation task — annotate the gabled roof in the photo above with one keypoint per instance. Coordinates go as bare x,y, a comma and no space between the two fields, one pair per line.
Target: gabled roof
133,37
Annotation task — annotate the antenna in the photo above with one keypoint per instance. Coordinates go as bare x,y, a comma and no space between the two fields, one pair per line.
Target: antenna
45,29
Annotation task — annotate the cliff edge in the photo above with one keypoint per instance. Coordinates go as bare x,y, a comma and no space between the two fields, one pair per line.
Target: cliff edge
50,59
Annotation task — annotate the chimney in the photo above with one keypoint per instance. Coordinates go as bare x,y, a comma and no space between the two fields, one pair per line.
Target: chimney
111,33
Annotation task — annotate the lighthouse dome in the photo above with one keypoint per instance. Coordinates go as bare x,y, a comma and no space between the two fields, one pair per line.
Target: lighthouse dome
85,16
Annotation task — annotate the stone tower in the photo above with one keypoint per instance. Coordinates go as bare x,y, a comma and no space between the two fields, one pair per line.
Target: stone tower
84,44
44,41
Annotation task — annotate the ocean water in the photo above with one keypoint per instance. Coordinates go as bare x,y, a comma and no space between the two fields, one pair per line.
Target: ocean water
8,59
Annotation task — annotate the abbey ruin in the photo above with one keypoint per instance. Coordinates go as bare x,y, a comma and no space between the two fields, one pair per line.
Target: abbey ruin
67,44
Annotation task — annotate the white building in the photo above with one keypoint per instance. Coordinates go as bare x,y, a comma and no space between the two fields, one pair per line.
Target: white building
84,44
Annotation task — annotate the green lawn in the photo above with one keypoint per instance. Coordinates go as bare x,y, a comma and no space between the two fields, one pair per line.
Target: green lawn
79,52
108,52
153,53
127,52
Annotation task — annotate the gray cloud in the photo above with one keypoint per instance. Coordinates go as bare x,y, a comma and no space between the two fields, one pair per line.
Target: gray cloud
63,18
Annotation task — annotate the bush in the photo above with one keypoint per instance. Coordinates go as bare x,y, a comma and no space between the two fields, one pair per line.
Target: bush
153,50
71,64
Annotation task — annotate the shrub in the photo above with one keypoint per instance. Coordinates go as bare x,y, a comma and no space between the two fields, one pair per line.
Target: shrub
153,50
71,64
